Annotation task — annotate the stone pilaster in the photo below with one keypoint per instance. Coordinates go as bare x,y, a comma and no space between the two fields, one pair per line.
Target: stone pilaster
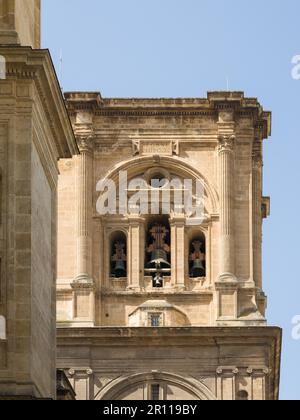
84,210
177,224
226,383
83,285
136,252
257,165
259,383
226,167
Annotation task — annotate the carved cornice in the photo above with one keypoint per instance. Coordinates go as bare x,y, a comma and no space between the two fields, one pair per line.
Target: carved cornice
227,104
23,63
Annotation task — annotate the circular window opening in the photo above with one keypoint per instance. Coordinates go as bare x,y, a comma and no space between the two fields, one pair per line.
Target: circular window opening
243,396
157,178
158,181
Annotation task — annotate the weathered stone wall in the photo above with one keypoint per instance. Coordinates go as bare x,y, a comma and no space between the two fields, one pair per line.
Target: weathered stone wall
34,133
187,363
42,279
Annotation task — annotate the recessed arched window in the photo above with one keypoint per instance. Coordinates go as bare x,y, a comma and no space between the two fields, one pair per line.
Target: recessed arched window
158,250
197,256
118,259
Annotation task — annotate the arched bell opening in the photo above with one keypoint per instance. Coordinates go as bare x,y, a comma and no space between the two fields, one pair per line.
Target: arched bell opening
118,252
158,249
197,256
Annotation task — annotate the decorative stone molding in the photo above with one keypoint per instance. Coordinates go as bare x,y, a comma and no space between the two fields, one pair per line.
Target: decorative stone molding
80,371
83,283
266,207
257,160
258,371
155,147
226,143
85,143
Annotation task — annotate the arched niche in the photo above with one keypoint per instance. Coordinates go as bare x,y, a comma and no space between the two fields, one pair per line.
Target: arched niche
157,248
118,255
197,255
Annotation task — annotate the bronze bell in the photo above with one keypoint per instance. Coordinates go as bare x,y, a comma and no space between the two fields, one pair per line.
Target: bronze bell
120,269
159,258
198,269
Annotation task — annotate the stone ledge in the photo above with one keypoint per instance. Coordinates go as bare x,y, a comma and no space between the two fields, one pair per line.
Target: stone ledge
229,333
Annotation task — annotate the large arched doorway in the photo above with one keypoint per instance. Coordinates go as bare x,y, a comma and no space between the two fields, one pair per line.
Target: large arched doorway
155,386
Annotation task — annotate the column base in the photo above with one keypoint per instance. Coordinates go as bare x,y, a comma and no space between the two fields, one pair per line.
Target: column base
227,278
9,37
134,289
83,281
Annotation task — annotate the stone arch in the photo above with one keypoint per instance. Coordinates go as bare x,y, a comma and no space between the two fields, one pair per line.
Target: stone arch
136,166
113,390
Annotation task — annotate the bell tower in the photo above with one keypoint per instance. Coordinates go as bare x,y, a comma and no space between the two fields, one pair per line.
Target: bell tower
20,22
159,250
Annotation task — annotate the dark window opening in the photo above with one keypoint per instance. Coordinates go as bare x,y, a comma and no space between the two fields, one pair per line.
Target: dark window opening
155,392
155,320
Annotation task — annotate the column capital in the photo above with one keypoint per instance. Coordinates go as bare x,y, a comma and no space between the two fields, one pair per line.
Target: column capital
177,220
85,143
135,220
226,143
257,160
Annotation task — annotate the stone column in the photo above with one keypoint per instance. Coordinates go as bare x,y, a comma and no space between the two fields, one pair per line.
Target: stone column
84,210
257,165
177,224
136,252
227,247
83,285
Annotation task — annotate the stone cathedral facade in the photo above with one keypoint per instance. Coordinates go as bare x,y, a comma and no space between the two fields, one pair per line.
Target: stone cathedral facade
194,327
151,302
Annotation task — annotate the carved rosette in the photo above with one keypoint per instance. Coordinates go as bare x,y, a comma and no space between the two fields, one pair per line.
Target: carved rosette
226,143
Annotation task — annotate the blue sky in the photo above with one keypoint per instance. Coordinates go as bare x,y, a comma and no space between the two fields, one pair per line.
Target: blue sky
184,48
